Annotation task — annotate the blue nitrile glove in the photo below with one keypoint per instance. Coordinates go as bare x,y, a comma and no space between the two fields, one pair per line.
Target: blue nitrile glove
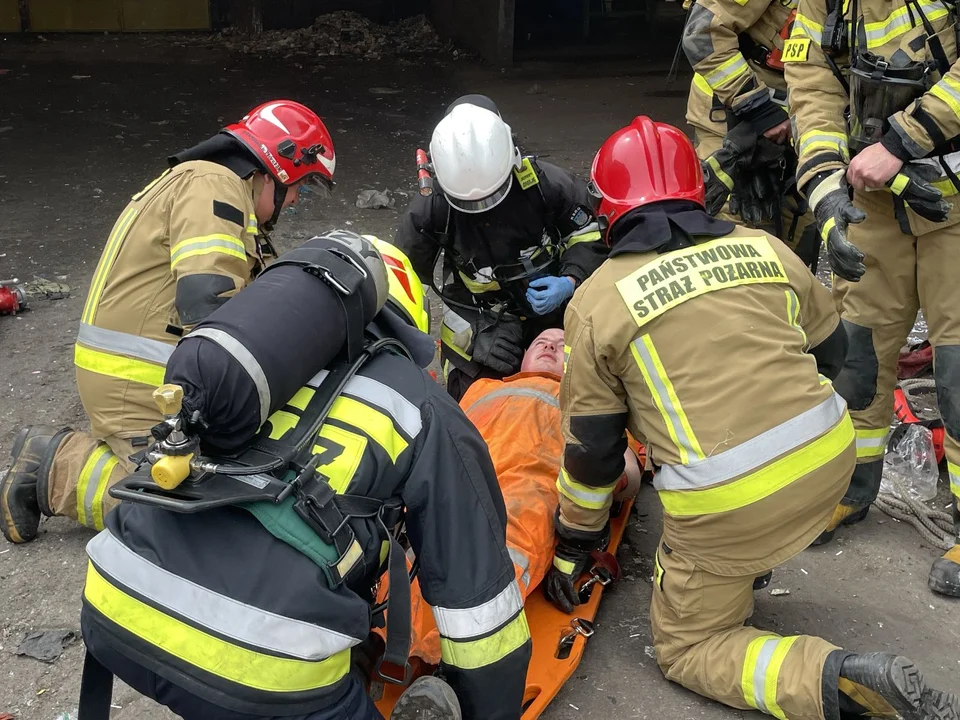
546,294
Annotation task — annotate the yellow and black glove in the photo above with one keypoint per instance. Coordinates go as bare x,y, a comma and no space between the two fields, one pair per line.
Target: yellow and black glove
829,198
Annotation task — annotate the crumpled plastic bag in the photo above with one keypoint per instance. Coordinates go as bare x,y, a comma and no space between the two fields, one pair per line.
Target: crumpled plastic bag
46,645
912,461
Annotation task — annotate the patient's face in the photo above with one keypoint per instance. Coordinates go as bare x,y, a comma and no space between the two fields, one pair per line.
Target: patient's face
545,353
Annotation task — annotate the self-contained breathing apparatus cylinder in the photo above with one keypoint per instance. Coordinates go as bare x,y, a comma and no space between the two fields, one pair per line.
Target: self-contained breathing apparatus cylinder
878,89
252,354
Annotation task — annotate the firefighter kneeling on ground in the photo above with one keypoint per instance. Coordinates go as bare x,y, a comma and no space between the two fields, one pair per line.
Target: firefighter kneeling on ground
518,236
254,608
900,80
714,345
184,244
519,419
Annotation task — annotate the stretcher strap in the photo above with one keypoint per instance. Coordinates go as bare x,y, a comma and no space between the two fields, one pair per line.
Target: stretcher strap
96,690
397,649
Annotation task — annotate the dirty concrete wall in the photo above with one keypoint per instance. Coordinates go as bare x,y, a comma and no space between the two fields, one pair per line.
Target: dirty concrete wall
484,26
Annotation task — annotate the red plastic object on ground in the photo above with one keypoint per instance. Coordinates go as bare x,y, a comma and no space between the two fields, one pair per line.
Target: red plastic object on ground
12,299
917,360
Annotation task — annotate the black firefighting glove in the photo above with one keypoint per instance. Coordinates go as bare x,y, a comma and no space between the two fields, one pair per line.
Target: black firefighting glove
760,183
570,560
913,185
829,197
720,169
498,344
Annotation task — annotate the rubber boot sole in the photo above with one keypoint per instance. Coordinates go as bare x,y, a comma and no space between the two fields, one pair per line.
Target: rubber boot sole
827,535
429,698
902,686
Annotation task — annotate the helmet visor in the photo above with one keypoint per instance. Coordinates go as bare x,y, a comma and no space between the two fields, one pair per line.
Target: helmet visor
317,184
483,204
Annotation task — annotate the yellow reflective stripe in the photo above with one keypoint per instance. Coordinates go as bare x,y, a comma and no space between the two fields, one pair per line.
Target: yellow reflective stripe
727,71
657,570
253,226
348,449
747,674
114,242
805,27
871,443
216,243
211,654
281,422
665,397
899,21
718,171
764,482
349,559
946,187
948,90
374,423
564,566
117,366
476,286
773,675
302,398
585,496
793,315
101,489
899,183
566,356
829,225
954,471
150,186
700,82
823,140
593,236
474,654
97,457
447,338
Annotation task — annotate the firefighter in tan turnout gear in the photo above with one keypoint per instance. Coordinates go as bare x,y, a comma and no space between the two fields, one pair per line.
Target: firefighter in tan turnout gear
902,86
183,245
714,344
736,50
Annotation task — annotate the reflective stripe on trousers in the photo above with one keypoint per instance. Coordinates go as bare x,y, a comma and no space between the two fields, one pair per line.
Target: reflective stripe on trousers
954,471
273,653
121,355
761,672
871,442
93,484
760,466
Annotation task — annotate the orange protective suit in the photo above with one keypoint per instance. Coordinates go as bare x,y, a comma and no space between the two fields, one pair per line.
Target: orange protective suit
519,418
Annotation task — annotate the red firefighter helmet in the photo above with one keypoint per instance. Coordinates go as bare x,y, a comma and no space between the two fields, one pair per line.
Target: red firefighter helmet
643,163
290,140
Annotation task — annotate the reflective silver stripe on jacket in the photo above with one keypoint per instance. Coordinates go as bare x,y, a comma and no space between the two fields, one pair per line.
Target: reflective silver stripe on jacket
121,343
518,392
754,453
482,619
523,562
404,412
223,615
246,359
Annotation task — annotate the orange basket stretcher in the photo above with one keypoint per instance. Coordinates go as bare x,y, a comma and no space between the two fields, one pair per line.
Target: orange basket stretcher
558,639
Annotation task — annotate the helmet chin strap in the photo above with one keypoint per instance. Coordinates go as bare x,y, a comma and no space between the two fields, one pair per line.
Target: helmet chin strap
279,195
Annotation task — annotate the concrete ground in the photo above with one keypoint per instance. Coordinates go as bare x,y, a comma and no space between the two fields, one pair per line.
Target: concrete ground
86,122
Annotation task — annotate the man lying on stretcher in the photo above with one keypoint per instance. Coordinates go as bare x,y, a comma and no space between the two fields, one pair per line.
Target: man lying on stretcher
519,418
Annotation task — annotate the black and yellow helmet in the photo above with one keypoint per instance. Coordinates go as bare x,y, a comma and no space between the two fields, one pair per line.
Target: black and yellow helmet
405,292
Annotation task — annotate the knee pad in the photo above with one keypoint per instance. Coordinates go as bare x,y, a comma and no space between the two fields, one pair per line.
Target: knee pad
857,382
946,373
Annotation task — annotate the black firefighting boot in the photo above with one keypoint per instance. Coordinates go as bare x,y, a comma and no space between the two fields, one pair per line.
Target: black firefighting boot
887,686
429,698
945,574
23,492
842,515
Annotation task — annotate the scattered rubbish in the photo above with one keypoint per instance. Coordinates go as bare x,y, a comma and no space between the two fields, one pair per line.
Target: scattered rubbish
1,553
777,592
804,571
42,691
879,624
635,635
41,287
80,77
839,554
650,652
385,91
932,607
910,465
573,706
374,199
46,645
534,89
339,33
65,716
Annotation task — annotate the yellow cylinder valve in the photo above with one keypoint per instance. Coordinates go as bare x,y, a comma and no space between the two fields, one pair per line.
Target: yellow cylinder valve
171,470
169,398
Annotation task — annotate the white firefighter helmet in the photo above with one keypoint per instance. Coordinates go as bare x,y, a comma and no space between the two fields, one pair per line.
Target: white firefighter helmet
473,158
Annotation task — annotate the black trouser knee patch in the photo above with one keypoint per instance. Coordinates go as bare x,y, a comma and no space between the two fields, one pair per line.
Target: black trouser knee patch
946,372
857,382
